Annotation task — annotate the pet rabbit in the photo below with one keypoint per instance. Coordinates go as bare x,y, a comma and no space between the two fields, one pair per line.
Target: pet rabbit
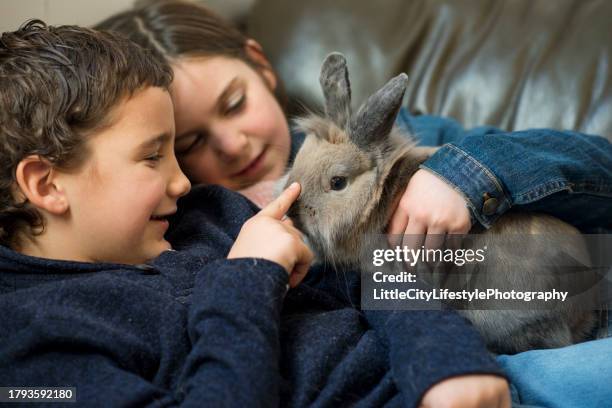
352,168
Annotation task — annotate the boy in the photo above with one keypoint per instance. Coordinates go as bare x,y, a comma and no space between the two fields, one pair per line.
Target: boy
89,180
88,186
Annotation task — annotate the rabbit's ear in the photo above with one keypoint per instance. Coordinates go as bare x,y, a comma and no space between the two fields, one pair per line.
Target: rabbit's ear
336,89
376,116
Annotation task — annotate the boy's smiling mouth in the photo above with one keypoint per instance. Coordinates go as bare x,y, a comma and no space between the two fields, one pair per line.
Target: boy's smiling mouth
161,221
162,217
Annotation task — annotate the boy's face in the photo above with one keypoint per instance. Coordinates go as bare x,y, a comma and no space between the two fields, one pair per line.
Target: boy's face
231,129
131,179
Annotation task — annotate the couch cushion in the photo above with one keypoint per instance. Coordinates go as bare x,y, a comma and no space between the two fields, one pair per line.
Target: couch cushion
514,64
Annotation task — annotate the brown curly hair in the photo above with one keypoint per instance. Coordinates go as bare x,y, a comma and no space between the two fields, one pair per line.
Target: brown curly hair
57,87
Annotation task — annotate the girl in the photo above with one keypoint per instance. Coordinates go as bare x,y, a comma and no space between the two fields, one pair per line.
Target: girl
232,131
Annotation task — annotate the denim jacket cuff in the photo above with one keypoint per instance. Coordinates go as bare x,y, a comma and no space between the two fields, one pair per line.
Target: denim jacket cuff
484,194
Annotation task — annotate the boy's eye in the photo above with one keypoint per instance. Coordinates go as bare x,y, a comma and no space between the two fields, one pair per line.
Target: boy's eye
186,144
154,157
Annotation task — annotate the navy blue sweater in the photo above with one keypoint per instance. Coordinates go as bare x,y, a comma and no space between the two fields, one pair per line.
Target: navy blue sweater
195,329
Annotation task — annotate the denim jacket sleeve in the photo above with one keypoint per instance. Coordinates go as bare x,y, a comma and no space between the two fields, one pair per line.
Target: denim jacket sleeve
565,174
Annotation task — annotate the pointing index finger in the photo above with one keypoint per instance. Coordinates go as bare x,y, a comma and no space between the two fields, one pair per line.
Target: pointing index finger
281,204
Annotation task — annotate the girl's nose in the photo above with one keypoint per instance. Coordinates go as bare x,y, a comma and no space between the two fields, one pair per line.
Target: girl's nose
229,143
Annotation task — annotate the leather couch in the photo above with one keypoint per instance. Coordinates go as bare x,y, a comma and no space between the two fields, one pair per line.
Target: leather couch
514,64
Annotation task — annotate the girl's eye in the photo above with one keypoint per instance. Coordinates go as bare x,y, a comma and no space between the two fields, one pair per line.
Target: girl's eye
235,103
186,144
337,183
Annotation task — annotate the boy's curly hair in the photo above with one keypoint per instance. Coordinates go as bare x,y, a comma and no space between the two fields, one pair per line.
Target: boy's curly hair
57,86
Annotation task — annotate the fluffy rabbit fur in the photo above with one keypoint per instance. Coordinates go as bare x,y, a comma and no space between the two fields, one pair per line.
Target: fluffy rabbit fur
352,168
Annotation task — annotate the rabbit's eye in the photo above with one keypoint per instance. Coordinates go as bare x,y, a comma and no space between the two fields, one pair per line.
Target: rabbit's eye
337,183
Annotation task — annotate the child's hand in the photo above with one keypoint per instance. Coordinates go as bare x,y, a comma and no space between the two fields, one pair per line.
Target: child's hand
468,391
267,235
429,206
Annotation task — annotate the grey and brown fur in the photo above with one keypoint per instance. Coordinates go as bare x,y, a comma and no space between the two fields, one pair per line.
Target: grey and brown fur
377,161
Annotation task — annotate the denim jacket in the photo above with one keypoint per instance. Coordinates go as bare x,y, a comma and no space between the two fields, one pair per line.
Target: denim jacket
564,174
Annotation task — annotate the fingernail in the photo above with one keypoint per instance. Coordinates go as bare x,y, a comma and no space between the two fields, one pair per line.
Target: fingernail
294,185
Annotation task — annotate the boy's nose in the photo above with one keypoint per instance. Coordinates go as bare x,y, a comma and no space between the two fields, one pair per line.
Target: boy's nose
179,184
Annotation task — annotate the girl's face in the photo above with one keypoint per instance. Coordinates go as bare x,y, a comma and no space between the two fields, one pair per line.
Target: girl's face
230,128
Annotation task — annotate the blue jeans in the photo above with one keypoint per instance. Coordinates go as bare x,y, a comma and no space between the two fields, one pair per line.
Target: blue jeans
578,376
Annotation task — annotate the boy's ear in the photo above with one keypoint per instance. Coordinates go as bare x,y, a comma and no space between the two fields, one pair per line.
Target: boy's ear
37,182
255,52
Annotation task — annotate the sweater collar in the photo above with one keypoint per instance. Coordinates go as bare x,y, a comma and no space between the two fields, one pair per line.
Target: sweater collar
12,261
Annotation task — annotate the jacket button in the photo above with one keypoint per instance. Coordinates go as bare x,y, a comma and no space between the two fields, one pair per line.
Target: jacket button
489,207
